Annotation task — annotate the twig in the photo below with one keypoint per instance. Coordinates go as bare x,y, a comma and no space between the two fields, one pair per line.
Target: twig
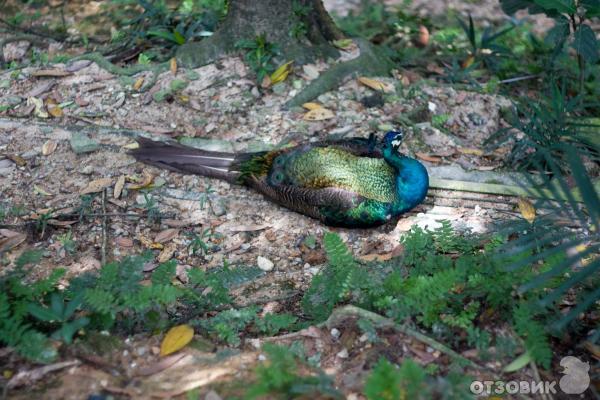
104,228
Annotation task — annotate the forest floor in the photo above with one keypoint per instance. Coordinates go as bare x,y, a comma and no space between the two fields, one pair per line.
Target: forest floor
50,159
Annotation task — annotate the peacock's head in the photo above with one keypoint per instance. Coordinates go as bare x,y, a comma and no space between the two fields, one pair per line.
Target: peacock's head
393,139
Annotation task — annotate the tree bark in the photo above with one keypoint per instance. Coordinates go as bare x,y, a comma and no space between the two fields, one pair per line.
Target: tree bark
302,29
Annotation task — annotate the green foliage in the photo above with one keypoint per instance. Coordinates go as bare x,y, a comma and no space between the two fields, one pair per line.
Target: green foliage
259,54
271,324
17,295
60,312
387,382
228,324
279,378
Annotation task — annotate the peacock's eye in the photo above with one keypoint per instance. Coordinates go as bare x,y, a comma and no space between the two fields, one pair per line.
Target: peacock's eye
278,177
279,161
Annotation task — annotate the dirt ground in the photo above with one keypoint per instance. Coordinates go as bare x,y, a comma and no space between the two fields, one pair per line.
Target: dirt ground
50,161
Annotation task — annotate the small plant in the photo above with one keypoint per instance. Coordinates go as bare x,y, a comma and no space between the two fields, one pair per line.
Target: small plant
259,55
387,382
153,215
199,242
67,243
61,313
570,27
280,377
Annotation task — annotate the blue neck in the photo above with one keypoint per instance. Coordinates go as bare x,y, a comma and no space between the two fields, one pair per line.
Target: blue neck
412,180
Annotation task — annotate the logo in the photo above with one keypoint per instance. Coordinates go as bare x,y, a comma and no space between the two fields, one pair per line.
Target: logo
576,379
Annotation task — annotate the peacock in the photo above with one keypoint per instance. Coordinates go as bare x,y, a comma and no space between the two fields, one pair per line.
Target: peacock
353,183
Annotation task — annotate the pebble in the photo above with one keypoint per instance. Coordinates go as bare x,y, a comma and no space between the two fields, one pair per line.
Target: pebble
264,263
81,143
335,333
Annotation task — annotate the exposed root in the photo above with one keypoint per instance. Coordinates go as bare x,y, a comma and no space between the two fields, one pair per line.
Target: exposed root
370,62
33,39
103,63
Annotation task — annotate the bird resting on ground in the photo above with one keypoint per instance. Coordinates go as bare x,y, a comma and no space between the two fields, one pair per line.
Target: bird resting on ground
354,183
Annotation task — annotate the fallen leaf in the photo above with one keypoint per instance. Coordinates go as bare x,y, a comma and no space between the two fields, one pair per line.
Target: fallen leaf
176,339
167,253
376,257
470,151
138,83
166,235
146,242
20,161
11,239
49,147
527,209
311,106
50,72
39,107
319,114
281,73
343,43
96,186
119,187
468,62
124,242
39,190
518,363
131,146
57,222
377,85
159,366
173,66
54,110
426,157
146,181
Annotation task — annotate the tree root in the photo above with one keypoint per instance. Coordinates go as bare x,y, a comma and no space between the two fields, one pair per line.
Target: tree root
33,39
103,63
370,62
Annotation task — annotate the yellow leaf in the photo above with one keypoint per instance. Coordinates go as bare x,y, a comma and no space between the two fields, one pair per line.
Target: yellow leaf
527,209
96,186
470,151
468,62
138,84
319,114
55,110
311,106
167,252
131,146
173,65
375,84
39,107
281,73
48,147
147,180
343,43
148,243
176,339
39,190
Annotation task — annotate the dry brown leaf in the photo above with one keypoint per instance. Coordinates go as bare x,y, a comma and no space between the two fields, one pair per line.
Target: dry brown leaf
376,257
173,65
176,339
20,161
166,235
311,106
266,82
119,187
58,222
146,181
50,73
124,242
319,114
167,253
426,157
468,62
49,147
376,85
97,185
138,83
527,209
11,239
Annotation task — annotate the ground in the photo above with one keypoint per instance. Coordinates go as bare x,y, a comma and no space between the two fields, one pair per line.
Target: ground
46,169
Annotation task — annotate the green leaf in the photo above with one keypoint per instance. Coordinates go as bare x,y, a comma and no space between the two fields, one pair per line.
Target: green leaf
592,8
563,6
178,37
518,363
586,44
559,33
43,313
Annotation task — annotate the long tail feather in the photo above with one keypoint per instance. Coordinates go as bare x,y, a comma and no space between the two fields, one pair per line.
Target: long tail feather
175,157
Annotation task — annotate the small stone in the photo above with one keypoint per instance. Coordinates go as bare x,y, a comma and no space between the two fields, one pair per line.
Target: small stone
335,333
212,395
264,263
262,357
87,170
343,353
81,143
